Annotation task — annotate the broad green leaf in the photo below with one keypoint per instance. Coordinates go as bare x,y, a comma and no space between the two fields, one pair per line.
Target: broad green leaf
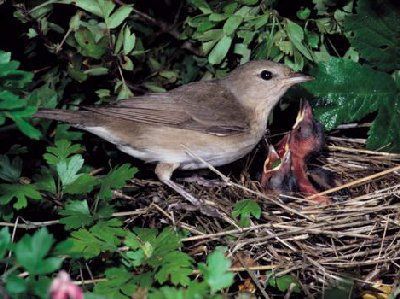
118,16
91,6
115,179
284,282
61,150
10,171
347,92
67,170
26,127
21,192
216,271
119,284
375,31
176,267
218,53
16,285
296,36
231,24
129,41
83,185
31,252
76,214
244,209
5,241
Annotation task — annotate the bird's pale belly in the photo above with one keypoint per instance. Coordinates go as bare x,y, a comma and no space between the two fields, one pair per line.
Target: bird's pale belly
172,146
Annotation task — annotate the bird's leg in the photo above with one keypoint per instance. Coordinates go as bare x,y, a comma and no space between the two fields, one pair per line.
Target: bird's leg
164,172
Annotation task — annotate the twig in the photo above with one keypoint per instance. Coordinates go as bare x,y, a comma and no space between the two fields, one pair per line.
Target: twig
356,182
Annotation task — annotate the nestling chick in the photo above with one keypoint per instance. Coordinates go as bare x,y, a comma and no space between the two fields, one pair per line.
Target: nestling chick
305,139
219,121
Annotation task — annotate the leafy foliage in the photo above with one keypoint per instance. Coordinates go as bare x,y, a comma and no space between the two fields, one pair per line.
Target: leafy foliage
244,209
347,91
92,52
374,33
32,254
13,105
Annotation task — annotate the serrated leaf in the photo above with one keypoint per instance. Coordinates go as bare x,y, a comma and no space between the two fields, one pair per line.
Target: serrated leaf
115,179
118,285
61,150
86,244
31,252
347,91
176,267
10,171
21,192
244,209
216,271
83,185
375,33
67,170
76,214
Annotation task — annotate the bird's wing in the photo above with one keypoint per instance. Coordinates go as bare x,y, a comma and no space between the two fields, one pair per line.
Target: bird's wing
205,107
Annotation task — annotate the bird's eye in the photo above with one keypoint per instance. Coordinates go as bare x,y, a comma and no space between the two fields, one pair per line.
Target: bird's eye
266,75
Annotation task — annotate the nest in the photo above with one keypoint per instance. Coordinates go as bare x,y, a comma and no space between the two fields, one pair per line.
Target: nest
357,235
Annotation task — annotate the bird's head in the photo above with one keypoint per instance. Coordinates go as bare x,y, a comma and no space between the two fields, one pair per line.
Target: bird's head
261,83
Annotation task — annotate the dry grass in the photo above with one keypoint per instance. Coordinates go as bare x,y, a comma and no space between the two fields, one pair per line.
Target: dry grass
357,235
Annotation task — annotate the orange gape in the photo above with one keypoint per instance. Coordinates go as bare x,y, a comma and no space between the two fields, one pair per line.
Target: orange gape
285,169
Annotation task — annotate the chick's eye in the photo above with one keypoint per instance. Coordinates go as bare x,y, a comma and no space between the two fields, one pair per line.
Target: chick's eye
266,75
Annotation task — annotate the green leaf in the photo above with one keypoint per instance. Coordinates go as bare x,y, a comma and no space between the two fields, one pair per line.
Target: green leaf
61,151
26,127
115,179
83,185
87,44
76,215
118,16
119,284
104,236
5,241
347,91
10,171
100,8
244,209
67,170
176,267
16,285
31,252
231,24
216,271
218,53
21,192
375,31
296,36
284,282
129,41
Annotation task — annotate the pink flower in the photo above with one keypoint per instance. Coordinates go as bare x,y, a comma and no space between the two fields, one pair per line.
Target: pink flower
63,288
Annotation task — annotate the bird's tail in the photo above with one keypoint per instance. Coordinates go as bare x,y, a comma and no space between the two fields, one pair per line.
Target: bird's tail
71,117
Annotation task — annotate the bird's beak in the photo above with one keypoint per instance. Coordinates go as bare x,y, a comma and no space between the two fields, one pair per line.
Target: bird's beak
295,78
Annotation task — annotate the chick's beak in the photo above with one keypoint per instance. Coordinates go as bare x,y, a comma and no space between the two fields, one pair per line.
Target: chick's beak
295,78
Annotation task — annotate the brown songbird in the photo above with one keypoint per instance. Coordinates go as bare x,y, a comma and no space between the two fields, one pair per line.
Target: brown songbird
220,120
